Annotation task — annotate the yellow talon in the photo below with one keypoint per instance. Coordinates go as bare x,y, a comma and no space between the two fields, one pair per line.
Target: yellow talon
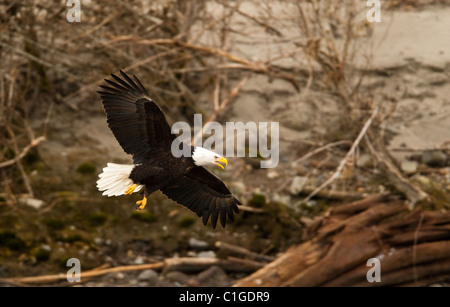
140,205
130,190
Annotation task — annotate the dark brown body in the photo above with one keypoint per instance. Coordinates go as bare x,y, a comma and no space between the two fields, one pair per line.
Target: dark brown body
159,171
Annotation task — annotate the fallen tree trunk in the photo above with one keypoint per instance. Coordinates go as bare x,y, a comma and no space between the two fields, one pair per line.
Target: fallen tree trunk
413,248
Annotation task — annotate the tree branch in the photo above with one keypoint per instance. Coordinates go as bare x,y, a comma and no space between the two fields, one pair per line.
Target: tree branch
349,154
33,143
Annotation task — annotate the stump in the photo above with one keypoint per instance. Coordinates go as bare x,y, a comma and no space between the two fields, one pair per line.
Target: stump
412,246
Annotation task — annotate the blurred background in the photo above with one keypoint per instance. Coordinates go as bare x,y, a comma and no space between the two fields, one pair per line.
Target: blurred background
363,109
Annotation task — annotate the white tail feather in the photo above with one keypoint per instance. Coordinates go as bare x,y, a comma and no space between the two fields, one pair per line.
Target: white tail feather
114,180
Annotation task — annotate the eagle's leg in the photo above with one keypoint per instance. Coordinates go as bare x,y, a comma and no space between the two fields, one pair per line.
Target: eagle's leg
131,189
140,204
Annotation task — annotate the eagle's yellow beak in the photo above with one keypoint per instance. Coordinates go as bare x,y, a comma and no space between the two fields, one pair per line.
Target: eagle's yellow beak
221,160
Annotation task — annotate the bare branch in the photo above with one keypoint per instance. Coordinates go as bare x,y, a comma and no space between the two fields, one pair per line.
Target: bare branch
25,150
349,154
234,92
320,149
412,192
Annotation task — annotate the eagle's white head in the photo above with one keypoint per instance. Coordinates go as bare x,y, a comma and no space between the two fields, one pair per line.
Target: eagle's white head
204,157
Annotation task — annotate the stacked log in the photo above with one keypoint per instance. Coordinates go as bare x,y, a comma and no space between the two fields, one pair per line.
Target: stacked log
411,246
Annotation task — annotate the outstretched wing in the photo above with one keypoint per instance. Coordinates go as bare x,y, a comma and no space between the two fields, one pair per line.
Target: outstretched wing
138,124
205,194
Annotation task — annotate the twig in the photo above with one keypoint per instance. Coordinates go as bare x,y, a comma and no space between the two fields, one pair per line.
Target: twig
216,92
33,58
189,264
257,67
170,264
140,16
269,28
320,149
285,55
33,143
46,279
177,43
85,89
412,193
251,209
18,161
234,92
349,154
95,28
242,251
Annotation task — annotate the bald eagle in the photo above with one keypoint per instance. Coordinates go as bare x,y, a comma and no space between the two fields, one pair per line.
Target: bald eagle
142,131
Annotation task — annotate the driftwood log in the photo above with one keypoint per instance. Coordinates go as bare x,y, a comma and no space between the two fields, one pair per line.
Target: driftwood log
412,246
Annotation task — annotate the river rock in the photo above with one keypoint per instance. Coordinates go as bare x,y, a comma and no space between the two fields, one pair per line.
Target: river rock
33,202
214,276
434,158
297,184
149,276
193,242
409,167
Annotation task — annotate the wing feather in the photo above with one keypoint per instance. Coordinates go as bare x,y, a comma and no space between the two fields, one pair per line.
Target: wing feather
137,123
205,194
